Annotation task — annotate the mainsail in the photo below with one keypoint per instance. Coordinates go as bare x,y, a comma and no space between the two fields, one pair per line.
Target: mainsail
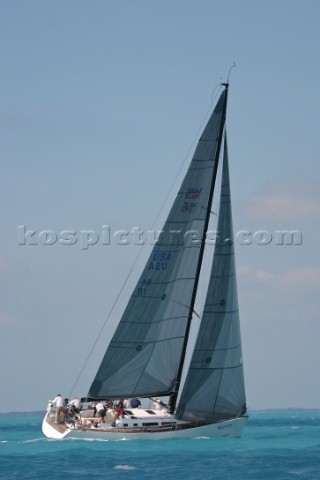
144,355
214,386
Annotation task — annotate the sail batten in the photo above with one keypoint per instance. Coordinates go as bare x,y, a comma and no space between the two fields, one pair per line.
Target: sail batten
128,344
157,315
156,321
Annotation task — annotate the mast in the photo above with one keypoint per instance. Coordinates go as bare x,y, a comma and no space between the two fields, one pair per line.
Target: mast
174,395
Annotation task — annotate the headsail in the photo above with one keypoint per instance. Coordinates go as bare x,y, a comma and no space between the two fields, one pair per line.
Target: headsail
214,386
143,357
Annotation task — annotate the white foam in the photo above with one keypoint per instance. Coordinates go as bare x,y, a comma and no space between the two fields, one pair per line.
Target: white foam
124,467
87,439
33,440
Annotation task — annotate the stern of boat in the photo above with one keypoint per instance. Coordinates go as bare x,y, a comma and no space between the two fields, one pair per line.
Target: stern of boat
51,429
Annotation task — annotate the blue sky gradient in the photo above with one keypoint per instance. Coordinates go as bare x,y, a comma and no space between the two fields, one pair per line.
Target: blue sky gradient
101,103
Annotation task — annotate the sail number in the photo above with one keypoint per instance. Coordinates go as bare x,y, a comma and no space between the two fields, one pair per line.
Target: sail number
145,283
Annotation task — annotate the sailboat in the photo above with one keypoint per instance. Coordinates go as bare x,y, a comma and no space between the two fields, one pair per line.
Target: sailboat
146,357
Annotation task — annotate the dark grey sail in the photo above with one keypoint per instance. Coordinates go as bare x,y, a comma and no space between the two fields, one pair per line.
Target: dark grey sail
144,354
214,386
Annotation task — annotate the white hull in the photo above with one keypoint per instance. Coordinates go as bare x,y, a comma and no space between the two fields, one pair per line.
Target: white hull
228,428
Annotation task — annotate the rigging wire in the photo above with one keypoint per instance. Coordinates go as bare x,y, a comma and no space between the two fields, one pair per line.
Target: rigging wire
214,95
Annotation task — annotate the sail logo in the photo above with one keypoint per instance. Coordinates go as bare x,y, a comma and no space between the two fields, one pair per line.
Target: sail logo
190,204
193,193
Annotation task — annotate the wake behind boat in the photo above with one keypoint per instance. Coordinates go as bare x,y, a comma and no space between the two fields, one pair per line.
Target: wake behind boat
147,353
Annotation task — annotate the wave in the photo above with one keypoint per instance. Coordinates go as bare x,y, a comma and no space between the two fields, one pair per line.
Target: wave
124,467
33,440
86,439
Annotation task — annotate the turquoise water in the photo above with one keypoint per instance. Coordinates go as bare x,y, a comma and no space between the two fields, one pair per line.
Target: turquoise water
275,446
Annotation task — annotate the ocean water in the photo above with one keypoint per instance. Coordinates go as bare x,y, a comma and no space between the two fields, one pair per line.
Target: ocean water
278,445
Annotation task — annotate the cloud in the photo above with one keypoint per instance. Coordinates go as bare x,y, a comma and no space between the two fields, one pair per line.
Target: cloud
282,206
304,279
286,200
264,276
297,279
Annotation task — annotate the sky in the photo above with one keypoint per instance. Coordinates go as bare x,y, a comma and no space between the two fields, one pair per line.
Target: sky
101,105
